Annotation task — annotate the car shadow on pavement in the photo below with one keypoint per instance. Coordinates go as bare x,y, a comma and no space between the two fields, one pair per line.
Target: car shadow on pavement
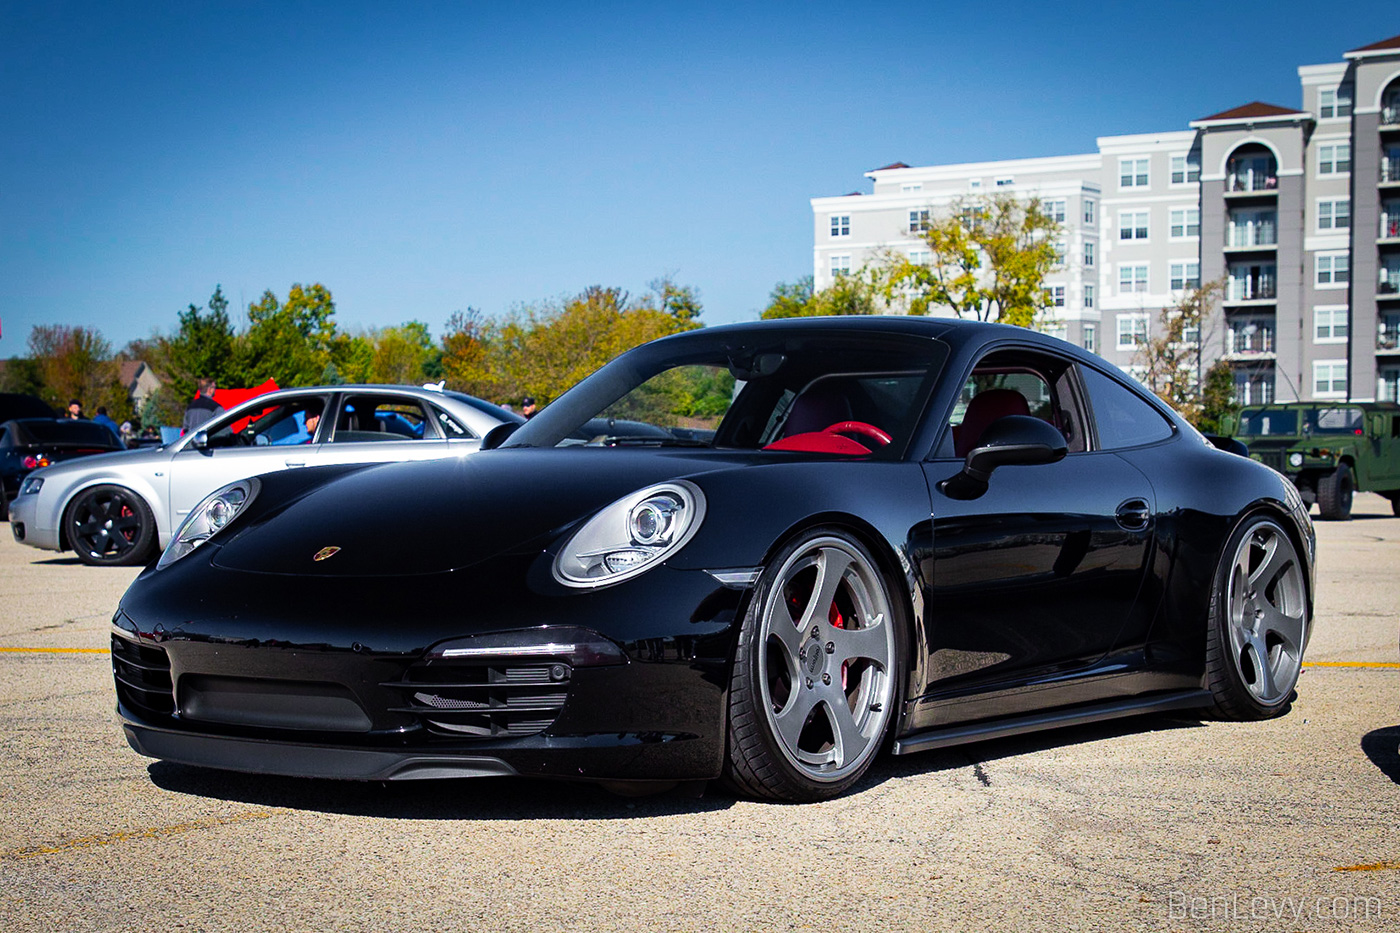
58,562
1382,746
520,798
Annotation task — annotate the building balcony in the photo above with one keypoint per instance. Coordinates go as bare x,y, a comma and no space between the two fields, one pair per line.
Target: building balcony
1390,225
1251,238
1389,284
1251,183
1390,170
1390,114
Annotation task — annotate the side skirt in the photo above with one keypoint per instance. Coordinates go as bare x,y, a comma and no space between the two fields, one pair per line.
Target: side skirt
1034,722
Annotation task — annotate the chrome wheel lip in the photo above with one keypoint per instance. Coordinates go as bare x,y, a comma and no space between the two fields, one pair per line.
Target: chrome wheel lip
858,726
1266,613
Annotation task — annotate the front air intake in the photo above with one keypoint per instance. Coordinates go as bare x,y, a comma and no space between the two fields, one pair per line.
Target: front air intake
143,680
484,700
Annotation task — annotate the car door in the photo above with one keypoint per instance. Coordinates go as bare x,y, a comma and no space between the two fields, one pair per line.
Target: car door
250,439
381,426
1033,581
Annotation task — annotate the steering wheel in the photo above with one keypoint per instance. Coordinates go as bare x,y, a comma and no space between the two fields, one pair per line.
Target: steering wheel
858,427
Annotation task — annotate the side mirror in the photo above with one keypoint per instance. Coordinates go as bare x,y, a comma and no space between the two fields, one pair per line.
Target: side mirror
200,440
497,436
1015,440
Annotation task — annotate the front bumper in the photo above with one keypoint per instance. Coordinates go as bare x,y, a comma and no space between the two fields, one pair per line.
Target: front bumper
25,527
341,679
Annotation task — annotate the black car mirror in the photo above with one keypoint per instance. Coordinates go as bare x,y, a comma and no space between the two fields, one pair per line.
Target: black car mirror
1015,440
497,436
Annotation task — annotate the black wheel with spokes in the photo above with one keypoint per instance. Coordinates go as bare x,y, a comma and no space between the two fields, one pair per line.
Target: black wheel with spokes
1259,620
110,526
816,678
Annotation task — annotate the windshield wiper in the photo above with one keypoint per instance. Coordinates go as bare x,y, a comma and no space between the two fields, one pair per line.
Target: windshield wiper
647,440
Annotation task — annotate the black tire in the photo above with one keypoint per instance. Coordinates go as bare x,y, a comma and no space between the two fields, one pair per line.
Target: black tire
110,526
1259,623
812,695
1334,494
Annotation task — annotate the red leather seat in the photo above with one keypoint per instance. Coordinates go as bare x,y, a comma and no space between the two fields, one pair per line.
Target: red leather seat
986,407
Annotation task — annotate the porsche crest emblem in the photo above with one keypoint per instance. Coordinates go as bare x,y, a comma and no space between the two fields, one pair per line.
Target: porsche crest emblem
326,552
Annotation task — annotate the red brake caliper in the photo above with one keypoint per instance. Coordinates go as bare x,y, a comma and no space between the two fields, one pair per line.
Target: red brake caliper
838,621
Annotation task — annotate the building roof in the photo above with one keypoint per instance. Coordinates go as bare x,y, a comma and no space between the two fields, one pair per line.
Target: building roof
1385,45
885,168
1253,110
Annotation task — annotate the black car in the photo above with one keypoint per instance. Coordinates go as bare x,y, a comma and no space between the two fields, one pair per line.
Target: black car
29,443
847,534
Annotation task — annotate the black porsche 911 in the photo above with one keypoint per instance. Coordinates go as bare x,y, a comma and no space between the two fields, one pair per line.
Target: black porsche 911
760,553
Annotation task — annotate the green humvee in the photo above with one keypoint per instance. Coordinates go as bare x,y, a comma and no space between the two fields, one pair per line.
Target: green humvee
1328,451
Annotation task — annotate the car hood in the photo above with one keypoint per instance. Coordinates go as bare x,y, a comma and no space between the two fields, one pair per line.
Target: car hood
428,517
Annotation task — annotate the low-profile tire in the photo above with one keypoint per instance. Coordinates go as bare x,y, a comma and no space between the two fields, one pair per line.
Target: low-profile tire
1259,623
110,526
1334,494
817,672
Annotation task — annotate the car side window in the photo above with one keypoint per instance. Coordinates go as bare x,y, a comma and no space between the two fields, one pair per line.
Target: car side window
381,418
1122,418
291,422
1016,382
449,425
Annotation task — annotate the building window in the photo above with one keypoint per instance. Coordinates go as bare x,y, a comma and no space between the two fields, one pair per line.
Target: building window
1005,181
1132,331
912,187
1331,102
1088,212
974,184
1055,296
1088,296
1132,225
1055,210
1132,173
841,225
1388,384
1185,170
1254,386
1088,253
840,265
1132,279
1252,228
1334,159
1334,215
1185,275
1059,253
1091,333
918,220
1186,223
1330,324
1333,270
1330,379
921,257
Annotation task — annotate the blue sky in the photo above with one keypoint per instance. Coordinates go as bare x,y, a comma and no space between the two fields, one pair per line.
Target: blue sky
420,158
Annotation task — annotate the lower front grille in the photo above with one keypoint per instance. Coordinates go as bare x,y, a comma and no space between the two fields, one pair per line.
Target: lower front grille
1271,458
486,700
143,680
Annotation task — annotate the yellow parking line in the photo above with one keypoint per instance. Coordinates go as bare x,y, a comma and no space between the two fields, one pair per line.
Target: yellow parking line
1377,665
1374,866
57,650
153,832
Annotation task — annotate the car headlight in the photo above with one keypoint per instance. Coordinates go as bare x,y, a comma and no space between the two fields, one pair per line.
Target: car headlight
1295,459
32,484
208,518
631,536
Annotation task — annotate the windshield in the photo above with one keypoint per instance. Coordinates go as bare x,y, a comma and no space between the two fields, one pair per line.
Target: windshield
1256,422
1333,421
837,393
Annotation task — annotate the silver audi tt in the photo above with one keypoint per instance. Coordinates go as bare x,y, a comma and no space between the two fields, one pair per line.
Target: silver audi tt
118,508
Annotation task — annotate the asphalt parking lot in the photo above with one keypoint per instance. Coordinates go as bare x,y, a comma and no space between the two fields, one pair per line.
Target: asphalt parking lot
1149,824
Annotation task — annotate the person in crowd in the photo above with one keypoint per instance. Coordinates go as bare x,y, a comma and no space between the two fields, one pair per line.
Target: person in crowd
106,421
527,407
75,410
202,408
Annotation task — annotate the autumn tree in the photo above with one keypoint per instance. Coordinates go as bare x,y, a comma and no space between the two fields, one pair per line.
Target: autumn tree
77,362
1171,360
681,302
988,258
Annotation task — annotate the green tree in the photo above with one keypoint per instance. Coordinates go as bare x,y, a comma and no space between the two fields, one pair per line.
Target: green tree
402,353
989,258
290,342
849,294
682,302
204,346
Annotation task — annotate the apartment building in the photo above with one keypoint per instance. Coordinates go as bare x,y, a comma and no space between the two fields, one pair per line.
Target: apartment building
1298,210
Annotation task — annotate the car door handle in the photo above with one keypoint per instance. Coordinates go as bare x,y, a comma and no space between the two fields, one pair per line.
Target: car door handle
296,463
1134,515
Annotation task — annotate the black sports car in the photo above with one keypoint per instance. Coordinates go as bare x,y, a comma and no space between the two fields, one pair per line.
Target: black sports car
833,535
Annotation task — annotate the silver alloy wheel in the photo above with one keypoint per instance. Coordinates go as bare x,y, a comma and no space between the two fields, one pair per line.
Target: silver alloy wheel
825,660
1267,606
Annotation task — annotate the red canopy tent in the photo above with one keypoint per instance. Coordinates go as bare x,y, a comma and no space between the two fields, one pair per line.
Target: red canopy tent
227,398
